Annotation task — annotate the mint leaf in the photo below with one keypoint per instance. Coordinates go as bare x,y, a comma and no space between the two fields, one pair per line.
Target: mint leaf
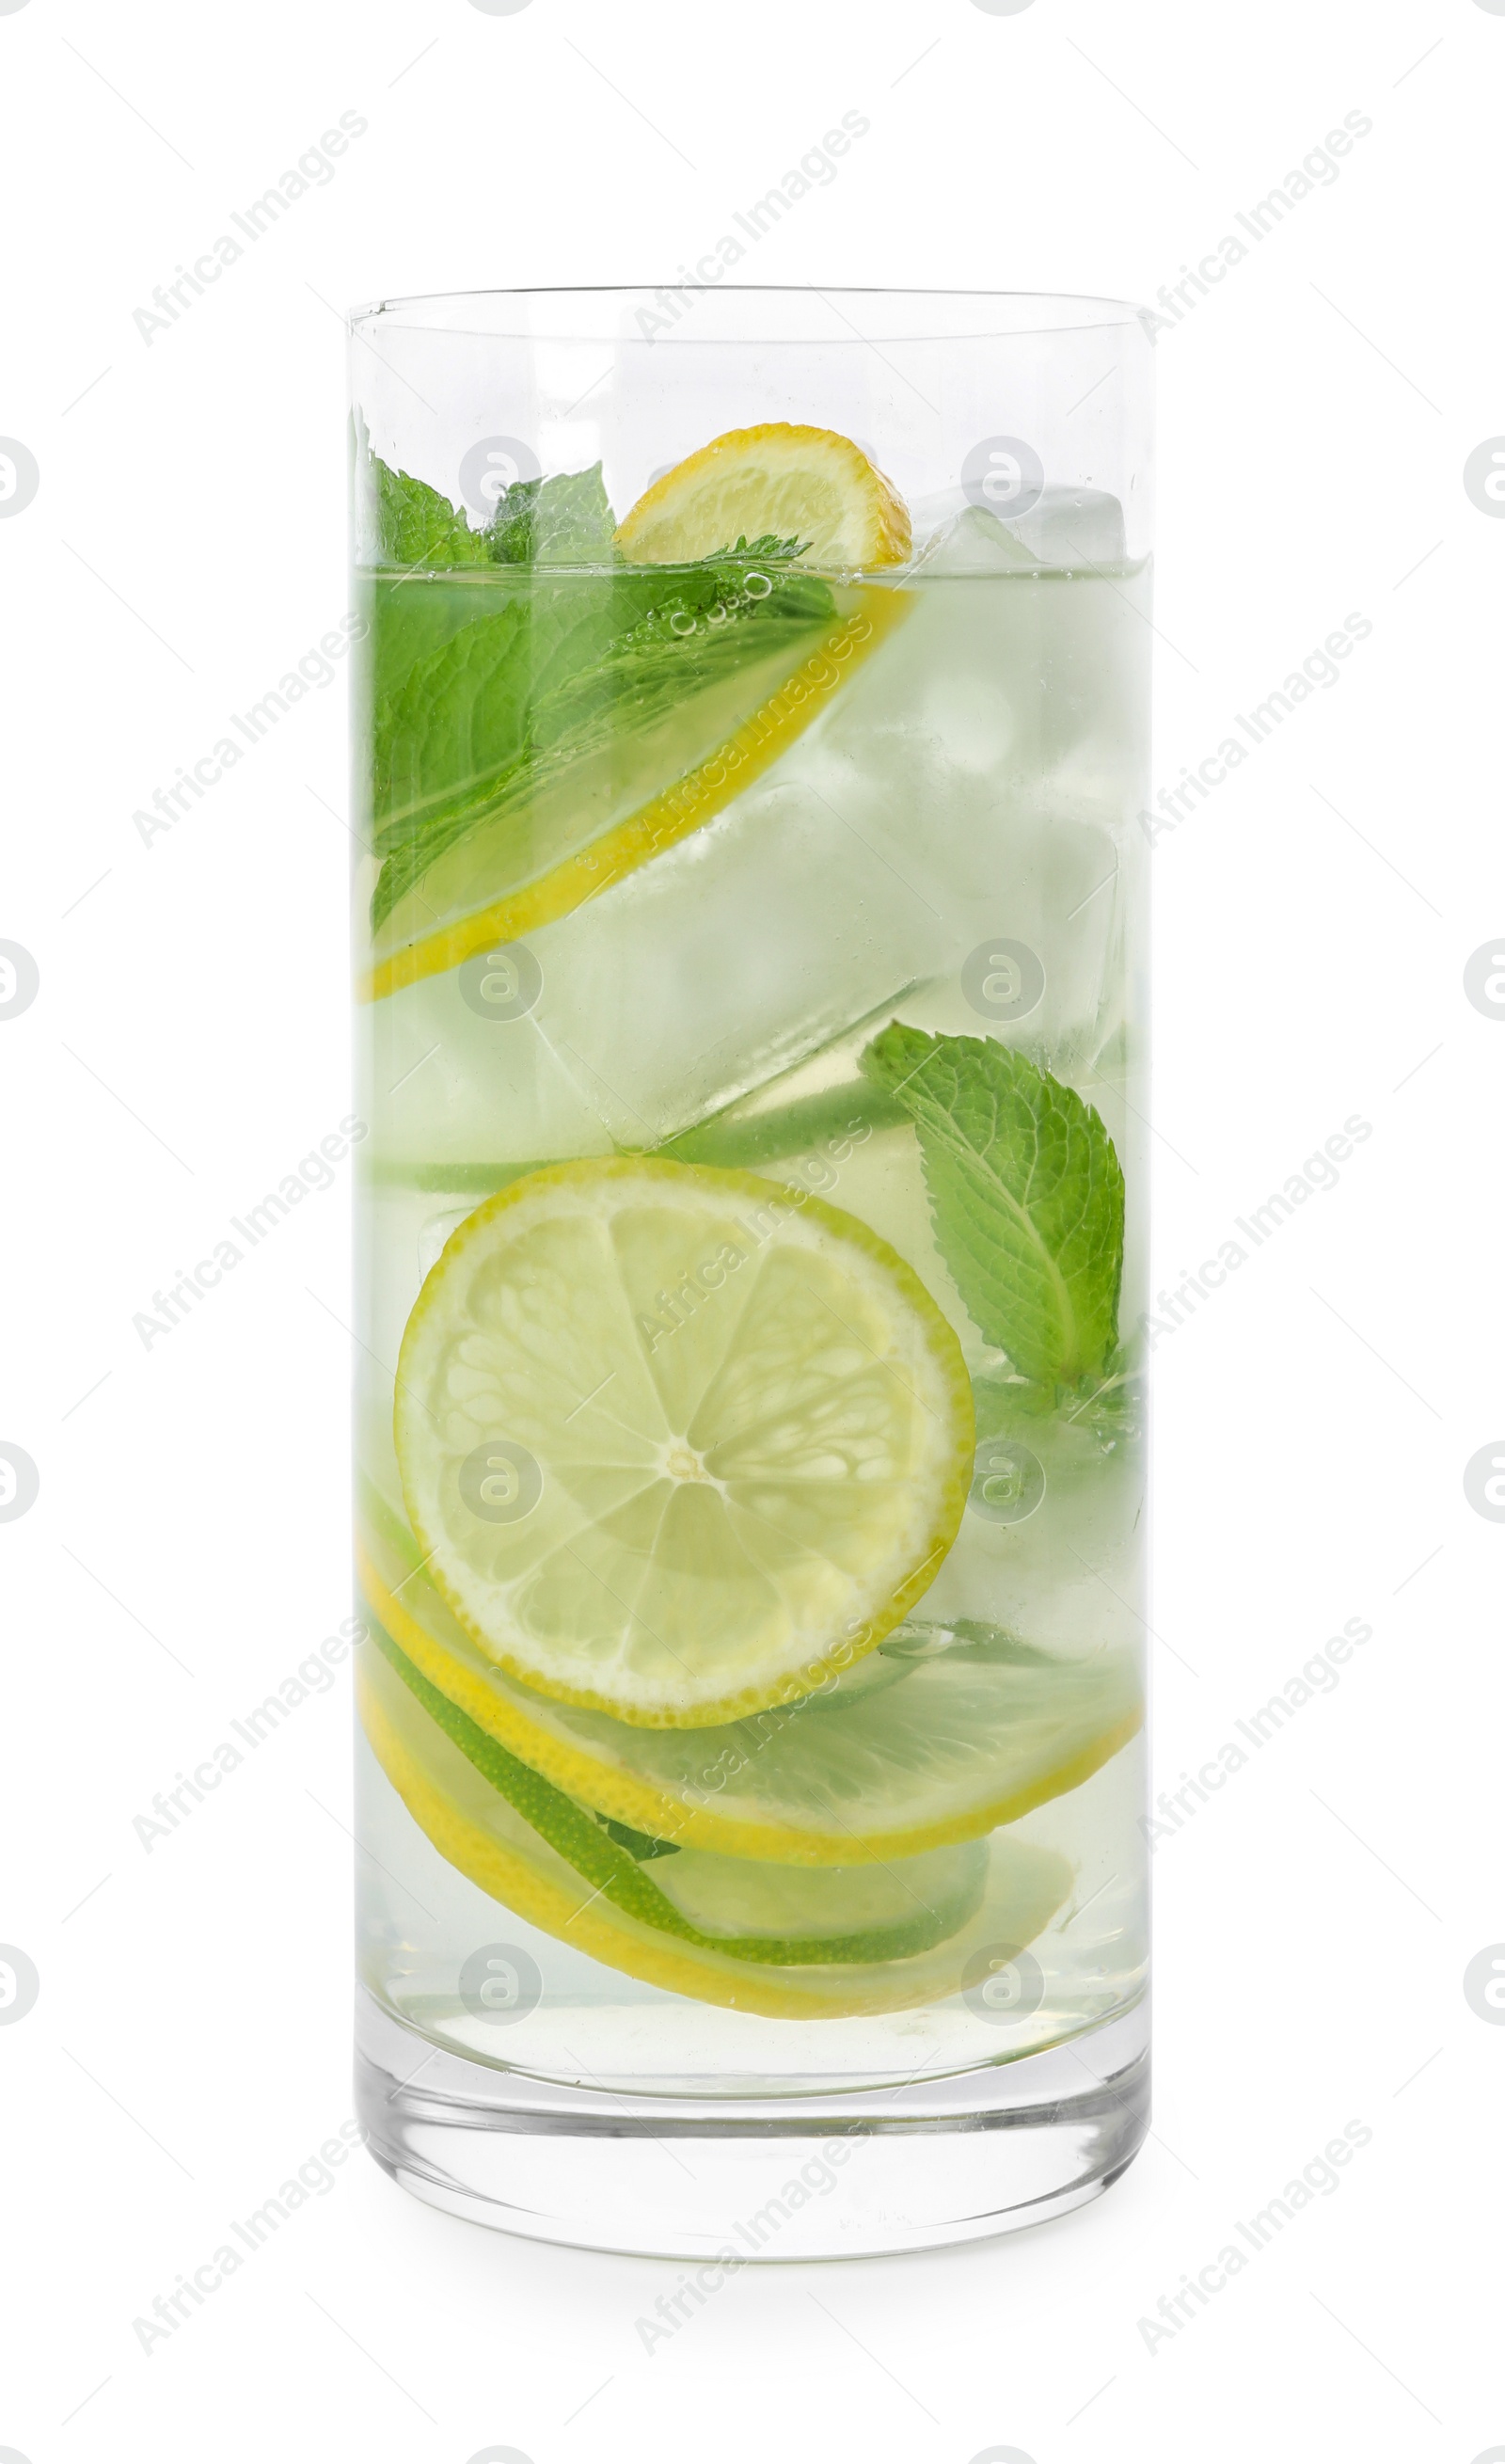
640,1845
415,526
769,549
405,522
454,719
1026,1195
497,699
552,521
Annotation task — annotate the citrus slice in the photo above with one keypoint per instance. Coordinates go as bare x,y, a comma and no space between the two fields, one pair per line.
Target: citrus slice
849,1914
473,1826
677,1442
944,1745
781,1916
776,481
627,804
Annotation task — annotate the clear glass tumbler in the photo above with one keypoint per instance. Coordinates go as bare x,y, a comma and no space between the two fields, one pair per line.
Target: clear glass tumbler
750,738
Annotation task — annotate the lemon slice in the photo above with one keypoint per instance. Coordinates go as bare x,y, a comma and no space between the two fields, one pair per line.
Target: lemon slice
677,1442
630,804
781,1916
778,481
474,1827
942,1746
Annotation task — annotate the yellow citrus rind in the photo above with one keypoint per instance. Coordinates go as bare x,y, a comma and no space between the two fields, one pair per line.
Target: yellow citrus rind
470,1828
665,819
778,480
422,1626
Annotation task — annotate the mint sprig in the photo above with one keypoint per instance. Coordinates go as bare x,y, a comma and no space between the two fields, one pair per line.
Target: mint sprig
1025,1193
769,549
480,702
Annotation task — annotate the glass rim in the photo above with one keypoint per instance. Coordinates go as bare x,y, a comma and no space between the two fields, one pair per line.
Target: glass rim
407,313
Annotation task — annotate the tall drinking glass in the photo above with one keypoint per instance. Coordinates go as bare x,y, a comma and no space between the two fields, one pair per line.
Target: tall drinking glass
751,729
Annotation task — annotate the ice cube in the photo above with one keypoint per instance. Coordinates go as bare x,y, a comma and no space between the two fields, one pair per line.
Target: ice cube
993,750
731,955
974,540
444,1083
1052,1537
974,777
1074,530
1066,530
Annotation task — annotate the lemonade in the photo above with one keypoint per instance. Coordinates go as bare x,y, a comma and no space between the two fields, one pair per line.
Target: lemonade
749,1431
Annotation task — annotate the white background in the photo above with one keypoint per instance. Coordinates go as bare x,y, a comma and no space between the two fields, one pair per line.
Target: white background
188,2048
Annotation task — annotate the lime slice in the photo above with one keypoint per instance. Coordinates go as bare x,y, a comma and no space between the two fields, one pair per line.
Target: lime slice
678,1443
781,1916
474,1827
779,481
950,1738
867,1912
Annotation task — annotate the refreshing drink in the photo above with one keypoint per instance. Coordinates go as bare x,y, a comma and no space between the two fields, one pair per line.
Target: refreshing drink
749,1436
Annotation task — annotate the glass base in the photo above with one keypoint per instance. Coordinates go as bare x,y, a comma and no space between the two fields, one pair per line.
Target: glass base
731,2179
